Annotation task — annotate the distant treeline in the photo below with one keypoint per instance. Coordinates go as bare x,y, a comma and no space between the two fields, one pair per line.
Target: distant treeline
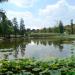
59,28
8,27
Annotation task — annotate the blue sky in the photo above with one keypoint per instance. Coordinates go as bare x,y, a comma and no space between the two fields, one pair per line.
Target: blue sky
40,13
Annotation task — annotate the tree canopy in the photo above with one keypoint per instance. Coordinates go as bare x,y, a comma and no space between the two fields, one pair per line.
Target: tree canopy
61,27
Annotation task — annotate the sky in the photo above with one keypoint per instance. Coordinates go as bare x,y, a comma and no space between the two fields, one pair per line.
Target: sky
40,13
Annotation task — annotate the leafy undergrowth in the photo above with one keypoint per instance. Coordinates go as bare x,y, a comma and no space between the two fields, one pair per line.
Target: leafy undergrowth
33,67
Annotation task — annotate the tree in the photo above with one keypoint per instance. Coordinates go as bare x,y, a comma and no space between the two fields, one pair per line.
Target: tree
6,27
3,17
56,29
15,24
49,30
72,26
0,29
61,27
22,27
27,32
10,27
44,30
4,24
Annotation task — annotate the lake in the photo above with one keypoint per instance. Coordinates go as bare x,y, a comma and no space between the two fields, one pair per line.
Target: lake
36,48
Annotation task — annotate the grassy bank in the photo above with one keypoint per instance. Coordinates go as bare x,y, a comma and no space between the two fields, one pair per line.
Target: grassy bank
46,35
43,35
52,35
36,67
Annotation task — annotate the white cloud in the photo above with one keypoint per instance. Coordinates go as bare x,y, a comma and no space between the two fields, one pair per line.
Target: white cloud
19,15
30,20
46,16
61,5
59,11
23,3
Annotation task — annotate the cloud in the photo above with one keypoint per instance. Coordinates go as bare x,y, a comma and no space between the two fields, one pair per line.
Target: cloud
59,11
19,15
23,3
46,17
30,20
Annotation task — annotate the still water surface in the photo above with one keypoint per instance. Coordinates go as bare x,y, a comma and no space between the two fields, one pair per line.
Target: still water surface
35,48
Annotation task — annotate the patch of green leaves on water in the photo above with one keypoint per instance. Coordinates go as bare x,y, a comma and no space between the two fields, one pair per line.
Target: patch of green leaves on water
33,67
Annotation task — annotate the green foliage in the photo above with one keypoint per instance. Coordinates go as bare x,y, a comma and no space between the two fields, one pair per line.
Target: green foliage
8,28
15,24
43,34
22,27
72,26
61,27
29,66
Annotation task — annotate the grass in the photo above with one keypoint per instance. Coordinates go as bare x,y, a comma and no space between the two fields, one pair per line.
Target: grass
36,67
35,35
52,35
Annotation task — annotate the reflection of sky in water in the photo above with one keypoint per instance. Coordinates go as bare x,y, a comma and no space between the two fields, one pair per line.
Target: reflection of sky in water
39,49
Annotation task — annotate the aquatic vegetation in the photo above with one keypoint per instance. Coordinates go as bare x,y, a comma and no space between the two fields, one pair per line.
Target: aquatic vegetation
34,67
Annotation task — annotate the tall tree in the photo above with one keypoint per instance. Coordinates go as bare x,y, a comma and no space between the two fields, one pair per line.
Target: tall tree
56,29
61,27
2,14
6,27
44,30
0,29
49,30
10,28
22,27
15,24
72,26
4,24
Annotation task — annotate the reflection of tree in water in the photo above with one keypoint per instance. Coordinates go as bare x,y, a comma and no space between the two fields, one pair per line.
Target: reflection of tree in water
23,47
45,42
20,46
6,44
58,43
11,43
49,42
72,52
16,49
61,48
6,56
38,42
42,41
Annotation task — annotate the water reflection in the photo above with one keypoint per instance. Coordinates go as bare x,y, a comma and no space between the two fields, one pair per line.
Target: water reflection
37,48
22,48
